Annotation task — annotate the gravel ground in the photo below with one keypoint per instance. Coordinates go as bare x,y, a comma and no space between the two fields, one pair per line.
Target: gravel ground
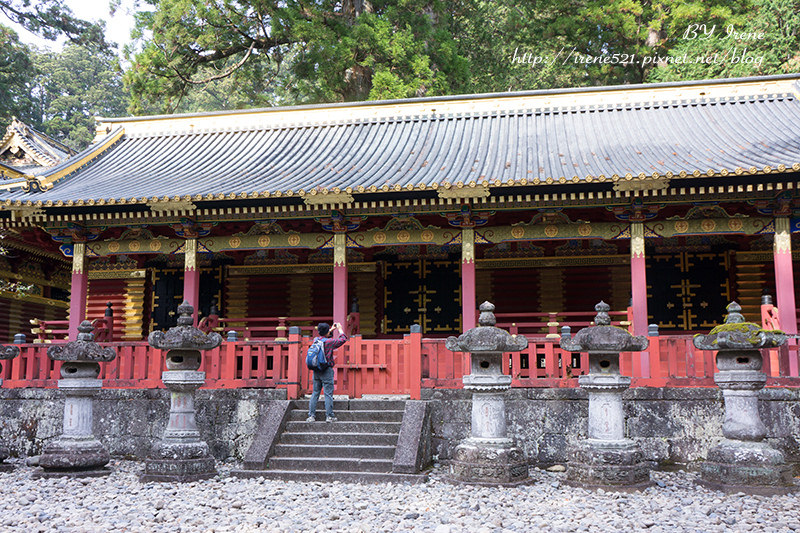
120,502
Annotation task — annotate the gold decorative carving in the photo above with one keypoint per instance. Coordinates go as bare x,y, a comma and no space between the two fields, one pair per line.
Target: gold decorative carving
113,247
263,241
379,237
467,245
339,249
117,274
329,198
234,242
735,224
134,246
172,205
155,245
637,239
708,225
646,184
403,236
79,258
681,226
479,191
551,231
783,236
585,229
517,232
190,255
427,235
294,239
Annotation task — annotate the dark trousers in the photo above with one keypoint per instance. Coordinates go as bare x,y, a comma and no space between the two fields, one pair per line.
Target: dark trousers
322,380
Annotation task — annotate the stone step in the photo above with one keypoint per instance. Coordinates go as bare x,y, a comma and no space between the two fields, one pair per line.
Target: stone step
330,464
343,427
351,451
334,438
357,415
343,476
355,405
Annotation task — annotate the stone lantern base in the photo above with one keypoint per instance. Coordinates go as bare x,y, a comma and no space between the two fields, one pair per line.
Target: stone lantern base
483,463
607,464
181,456
179,463
752,467
77,452
73,457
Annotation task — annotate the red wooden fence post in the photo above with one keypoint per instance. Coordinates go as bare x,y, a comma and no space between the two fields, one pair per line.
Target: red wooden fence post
415,361
155,366
295,364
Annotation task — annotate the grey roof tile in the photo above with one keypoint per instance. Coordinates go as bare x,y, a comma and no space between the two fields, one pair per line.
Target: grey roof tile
654,137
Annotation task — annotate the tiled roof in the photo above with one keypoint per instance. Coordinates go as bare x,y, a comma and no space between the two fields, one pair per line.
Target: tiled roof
570,136
40,151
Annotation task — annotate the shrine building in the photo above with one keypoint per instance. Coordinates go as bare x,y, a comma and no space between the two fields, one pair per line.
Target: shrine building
665,200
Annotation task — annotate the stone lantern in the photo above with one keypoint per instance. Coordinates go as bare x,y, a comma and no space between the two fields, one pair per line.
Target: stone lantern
606,458
489,456
77,453
6,352
181,455
742,461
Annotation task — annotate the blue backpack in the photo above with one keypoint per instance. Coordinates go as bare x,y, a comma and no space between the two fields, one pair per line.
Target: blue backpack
315,358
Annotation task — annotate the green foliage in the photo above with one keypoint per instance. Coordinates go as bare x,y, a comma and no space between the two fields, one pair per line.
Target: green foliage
73,86
776,51
319,51
51,19
16,68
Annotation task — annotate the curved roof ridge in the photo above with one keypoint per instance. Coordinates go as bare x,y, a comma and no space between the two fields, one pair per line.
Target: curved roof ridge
458,105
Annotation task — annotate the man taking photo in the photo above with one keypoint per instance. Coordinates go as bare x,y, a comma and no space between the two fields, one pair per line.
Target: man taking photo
324,378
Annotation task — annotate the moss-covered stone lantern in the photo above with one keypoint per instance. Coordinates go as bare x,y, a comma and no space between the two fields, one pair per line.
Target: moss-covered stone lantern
743,461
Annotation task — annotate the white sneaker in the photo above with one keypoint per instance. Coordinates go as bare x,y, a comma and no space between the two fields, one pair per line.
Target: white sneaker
331,419
311,419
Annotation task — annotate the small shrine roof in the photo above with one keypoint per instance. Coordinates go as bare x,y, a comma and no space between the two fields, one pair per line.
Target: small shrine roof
628,136
26,151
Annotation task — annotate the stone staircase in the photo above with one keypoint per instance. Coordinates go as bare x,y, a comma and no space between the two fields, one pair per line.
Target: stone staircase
360,447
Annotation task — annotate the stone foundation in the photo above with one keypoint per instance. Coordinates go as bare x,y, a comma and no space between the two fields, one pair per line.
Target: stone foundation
672,426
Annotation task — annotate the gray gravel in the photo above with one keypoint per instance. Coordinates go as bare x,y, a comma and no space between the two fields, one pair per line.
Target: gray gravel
120,502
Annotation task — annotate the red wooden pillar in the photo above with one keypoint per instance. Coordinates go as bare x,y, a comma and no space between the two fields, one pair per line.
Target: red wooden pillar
784,288
191,277
784,276
78,289
639,289
468,297
340,279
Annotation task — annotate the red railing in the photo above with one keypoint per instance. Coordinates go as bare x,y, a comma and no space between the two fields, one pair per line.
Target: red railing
46,331
549,323
394,366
